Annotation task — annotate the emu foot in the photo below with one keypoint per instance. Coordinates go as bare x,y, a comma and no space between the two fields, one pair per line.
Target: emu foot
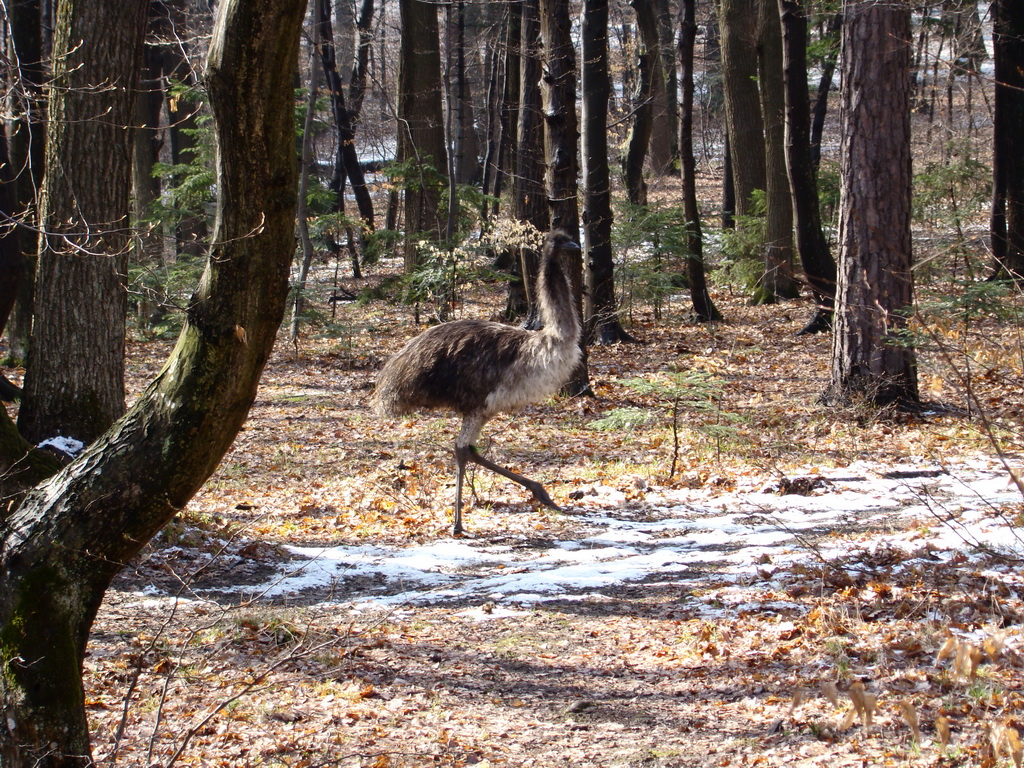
542,496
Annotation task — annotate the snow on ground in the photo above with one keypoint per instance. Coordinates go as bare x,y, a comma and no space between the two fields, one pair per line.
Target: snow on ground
729,541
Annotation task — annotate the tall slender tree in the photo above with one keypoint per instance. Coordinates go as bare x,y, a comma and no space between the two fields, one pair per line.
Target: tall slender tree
600,306
529,200
347,159
27,158
561,141
778,281
651,82
812,245
738,24
703,307
870,359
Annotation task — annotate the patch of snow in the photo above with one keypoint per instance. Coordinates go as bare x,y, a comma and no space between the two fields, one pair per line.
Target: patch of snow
67,445
736,542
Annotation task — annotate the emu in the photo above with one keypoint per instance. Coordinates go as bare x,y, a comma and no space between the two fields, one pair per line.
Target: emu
479,368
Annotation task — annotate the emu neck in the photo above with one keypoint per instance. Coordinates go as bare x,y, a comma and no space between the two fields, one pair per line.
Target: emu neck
555,301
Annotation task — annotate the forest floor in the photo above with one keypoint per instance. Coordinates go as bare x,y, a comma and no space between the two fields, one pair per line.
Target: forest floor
790,584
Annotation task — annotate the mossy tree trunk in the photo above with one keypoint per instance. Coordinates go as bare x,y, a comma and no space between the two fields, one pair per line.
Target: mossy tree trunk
62,545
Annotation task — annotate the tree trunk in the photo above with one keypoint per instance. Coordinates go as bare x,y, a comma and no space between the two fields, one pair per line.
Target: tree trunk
421,144
60,548
703,307
738,21
74,383
665,135
778,282
812,245
558,94
27,156
875,292
1007,219
298,290
601,308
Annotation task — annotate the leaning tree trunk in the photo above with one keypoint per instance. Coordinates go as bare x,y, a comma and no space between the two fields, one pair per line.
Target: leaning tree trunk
60,548
812,245
74,384
703,307
558,93
870,360
1007,219
601,309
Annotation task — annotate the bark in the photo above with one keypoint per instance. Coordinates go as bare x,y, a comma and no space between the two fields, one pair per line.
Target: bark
703,307
60,548
812,245
601,308
558,96
1007,217
875,290
74,383
778,282
421,145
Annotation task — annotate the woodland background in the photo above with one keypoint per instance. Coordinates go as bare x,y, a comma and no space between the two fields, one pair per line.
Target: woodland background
415,141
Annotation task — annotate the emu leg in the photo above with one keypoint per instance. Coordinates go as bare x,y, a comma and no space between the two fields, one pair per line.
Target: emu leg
470,453
460,463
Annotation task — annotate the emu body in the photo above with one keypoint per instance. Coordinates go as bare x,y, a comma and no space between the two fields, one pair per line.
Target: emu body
479,368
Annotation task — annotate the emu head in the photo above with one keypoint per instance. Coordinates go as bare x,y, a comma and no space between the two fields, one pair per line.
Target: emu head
558,244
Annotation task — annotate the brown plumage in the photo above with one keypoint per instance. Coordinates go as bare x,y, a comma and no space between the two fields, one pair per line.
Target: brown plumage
479,368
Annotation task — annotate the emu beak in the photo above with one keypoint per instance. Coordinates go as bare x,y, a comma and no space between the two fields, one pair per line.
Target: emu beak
570,245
